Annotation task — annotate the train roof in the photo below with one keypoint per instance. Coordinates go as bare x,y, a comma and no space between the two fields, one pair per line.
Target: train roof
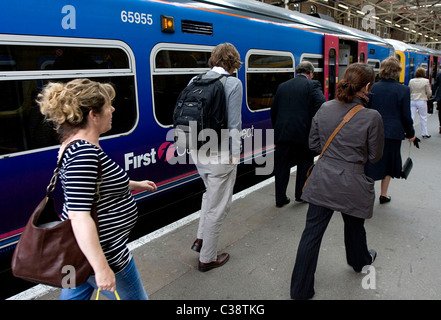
255,9
425,49
411,47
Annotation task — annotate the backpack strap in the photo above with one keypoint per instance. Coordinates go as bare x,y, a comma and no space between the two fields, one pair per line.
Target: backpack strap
222,77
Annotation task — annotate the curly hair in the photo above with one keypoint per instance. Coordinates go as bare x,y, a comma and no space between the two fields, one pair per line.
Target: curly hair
356,77
66,106
390,68
225,55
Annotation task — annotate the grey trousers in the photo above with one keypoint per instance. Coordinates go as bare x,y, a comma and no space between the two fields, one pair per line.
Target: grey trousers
219,181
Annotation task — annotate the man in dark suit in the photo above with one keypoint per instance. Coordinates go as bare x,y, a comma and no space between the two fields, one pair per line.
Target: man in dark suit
295,104
437,96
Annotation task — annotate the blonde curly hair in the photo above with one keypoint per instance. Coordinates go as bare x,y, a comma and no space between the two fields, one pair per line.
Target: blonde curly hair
66,105
390,68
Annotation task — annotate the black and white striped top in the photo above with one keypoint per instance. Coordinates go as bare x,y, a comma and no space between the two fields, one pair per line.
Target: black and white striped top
117,210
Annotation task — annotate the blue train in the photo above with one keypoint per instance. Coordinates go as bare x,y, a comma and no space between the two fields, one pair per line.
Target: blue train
149,50
412,57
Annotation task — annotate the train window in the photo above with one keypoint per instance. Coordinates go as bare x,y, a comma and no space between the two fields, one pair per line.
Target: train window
315,59
181,59
270,61
26,66
265,70
318,63
375,64
173,66
332,56
411,67
36,58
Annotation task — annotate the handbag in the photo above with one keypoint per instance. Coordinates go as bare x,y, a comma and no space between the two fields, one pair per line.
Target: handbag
47,251
430,102
345,120
407,166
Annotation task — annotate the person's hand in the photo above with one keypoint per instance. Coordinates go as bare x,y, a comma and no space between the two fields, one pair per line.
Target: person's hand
148,185
142,185
415,141
105,279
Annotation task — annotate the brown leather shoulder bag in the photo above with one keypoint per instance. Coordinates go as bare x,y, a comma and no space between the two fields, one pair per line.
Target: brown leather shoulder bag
47,251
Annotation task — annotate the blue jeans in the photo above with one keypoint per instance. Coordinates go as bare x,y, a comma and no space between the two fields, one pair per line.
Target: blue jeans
128,285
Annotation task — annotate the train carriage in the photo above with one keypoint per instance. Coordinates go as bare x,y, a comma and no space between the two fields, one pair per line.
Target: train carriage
412,57
149,50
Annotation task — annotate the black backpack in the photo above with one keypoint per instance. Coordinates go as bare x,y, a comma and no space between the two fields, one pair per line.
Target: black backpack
201,105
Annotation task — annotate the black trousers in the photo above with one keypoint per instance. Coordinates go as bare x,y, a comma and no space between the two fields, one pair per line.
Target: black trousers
439,112
317,220
287,155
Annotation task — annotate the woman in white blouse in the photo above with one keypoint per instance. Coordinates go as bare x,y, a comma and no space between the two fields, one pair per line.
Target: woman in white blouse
420,92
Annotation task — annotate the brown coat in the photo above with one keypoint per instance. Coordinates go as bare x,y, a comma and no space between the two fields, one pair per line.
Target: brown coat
338,181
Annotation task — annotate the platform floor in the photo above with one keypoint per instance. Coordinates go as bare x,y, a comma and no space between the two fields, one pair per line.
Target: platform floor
262,241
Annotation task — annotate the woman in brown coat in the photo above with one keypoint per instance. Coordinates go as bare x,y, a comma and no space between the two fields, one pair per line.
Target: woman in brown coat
338,182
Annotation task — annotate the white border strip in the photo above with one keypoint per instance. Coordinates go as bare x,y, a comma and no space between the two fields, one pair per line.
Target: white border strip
40,289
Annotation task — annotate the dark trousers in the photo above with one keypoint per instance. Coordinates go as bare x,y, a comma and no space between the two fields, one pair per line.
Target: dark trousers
287,155
317,219
439,113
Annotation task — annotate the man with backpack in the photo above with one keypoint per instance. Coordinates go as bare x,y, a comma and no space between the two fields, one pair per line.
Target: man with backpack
218,168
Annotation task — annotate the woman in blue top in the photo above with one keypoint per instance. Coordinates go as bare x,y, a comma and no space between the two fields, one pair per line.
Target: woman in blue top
81,111
392,100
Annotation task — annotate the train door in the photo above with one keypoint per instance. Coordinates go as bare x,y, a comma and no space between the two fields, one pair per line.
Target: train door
331,65
362,51
411,68
435,68
402,58
429,70
348,53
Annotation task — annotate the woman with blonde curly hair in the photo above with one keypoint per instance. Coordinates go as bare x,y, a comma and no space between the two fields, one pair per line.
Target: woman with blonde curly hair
81,110
392,100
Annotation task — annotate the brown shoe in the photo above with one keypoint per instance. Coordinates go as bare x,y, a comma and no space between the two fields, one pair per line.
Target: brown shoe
197,245
220,261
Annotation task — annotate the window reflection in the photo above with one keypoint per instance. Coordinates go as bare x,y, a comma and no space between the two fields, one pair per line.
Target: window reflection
22,126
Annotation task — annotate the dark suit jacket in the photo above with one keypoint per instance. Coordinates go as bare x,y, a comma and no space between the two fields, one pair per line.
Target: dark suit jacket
392,100
295,104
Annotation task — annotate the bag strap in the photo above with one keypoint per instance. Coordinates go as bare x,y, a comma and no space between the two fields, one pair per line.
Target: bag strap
98,295
53,180
346,119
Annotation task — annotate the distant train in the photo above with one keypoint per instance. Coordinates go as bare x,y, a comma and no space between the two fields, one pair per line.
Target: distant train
412,57
149,50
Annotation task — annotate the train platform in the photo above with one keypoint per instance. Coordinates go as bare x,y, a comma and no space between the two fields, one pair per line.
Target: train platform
262,241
